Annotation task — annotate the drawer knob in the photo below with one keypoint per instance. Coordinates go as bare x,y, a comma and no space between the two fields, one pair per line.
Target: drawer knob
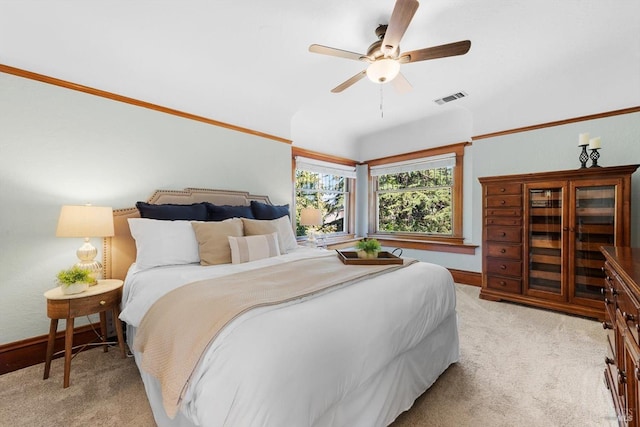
502,202
607,301
628,316
622,377
503,283
607,325
502,190
103,302
503,234
503,250
503,267
609,361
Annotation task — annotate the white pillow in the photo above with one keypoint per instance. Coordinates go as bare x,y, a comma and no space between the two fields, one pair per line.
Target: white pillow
160,242
282,226
253,248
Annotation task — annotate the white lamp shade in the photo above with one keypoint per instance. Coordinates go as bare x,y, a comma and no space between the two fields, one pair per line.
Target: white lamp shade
311,217
85,221
383,70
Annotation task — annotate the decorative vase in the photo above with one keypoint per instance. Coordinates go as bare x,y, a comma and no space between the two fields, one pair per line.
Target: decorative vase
367,255
74,288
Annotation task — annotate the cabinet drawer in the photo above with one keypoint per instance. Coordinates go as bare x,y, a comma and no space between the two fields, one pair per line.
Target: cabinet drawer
504,234
504,267
504,201
517,212
504,284
503,220
628,309
504,188
94,303
498,250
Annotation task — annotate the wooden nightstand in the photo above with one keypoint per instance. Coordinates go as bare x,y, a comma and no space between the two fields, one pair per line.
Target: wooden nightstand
106,295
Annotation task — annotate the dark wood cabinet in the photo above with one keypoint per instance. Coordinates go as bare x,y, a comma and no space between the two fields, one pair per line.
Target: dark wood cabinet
622,322
542,235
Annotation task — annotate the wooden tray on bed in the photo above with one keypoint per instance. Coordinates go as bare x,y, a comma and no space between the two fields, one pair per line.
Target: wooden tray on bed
351,258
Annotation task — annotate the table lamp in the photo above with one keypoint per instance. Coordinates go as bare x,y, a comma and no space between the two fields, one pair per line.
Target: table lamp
86,221
311,217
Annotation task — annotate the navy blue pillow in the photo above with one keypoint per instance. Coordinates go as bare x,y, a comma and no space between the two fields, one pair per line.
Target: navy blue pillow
264,211
193,212
222,212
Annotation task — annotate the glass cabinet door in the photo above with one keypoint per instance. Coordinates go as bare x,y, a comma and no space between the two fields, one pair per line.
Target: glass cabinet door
545,239
594,226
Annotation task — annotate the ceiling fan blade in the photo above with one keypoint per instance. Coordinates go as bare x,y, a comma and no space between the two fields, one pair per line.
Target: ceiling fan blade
401,84
331,51
442,51
400,19
348,83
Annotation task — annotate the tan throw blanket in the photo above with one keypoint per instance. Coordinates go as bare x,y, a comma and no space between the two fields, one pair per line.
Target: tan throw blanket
178,328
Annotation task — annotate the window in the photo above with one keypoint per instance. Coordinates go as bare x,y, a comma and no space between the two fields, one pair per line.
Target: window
418,197
325,186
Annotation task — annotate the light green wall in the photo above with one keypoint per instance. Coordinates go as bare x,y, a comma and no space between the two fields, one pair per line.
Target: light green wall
59,146
547,149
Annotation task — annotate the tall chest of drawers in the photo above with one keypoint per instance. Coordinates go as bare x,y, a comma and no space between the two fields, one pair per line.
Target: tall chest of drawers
502,241
622,322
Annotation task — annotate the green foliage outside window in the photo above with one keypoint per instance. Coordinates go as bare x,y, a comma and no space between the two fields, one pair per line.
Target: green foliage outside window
416,202
323,191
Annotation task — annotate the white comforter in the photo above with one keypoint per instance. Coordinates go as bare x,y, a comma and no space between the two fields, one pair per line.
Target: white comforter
291,365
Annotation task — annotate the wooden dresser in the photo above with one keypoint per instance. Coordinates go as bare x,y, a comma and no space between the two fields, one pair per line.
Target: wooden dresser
622,322
542,235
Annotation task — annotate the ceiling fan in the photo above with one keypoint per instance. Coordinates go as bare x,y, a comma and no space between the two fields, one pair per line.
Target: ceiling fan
384,56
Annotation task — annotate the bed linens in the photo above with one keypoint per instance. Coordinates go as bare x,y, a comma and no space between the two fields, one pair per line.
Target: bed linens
321,362
194,314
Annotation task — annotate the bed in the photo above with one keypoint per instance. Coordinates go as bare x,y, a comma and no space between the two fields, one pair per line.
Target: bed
355,353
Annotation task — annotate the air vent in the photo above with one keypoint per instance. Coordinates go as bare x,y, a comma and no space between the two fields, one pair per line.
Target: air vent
450,98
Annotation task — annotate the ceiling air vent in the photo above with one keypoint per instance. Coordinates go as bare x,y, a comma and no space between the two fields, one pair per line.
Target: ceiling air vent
450,98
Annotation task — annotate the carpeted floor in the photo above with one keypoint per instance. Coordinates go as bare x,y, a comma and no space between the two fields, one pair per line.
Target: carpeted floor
519,366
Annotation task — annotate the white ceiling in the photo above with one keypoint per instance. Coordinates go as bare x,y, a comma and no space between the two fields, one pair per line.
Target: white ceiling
247,62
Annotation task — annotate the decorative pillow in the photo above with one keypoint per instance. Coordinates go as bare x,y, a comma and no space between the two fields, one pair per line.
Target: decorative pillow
213,242
253,248
193,212
282,226
160,242
263,211
222,212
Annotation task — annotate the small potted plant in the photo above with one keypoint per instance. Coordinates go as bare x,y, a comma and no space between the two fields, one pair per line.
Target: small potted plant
75,280
368,248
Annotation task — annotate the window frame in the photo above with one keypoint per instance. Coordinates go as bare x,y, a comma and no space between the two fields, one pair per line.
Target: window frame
350,190
456,236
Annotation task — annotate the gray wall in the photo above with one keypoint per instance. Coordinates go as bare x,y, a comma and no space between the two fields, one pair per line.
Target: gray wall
59,146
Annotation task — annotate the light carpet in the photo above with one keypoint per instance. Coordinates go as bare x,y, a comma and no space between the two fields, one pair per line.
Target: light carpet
519,366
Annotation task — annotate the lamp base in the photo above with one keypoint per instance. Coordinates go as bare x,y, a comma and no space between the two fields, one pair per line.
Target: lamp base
86,254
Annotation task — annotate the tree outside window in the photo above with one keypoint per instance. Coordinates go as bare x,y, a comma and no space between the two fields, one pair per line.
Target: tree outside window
327,192
418,201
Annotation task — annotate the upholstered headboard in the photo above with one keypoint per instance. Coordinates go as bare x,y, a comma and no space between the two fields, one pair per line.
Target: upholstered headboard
119,251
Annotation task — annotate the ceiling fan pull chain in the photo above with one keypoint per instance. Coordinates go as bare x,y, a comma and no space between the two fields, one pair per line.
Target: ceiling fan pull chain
381,109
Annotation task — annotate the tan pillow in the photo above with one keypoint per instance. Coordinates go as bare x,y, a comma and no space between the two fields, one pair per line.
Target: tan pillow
282,226
253,248
213,242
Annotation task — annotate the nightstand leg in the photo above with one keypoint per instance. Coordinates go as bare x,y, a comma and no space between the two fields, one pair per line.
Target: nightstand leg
53,328
103,330
68,346
118,325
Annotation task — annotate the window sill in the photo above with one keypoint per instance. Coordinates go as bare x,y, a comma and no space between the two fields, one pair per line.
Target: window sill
338,242
425,245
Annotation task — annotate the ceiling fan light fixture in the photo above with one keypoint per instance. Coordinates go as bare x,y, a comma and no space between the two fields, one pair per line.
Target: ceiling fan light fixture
383,70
